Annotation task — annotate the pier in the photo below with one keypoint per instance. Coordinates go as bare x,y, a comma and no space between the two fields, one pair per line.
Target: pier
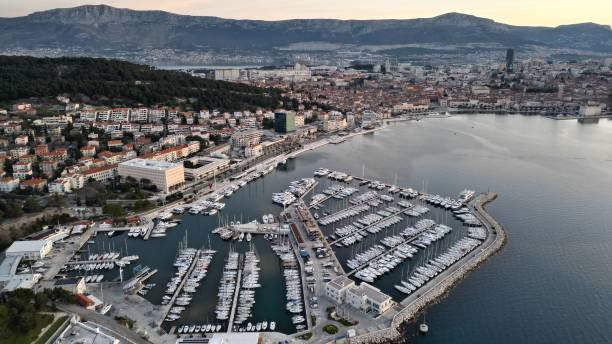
230,320
373,224
167,308
92,261
150,227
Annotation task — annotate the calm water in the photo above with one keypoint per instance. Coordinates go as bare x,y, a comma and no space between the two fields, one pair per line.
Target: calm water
552,283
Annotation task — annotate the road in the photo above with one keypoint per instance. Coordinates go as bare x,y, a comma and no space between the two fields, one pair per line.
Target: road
105,322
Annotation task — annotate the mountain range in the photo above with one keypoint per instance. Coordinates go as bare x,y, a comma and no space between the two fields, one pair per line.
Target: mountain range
101,27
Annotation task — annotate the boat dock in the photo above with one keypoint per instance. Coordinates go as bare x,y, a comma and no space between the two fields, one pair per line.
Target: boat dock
72,262
390,250
166,308
373,224
150,227
234,302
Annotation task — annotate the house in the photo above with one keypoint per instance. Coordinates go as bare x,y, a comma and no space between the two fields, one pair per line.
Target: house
22,170
21,140
48,167
88,151
19,151
41,149
60,186
8,184
59,154
115,143
37,184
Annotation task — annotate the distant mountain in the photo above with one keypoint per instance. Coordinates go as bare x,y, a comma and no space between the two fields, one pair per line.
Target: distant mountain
102,27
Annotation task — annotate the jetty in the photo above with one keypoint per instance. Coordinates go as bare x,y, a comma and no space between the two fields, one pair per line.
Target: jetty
364,229
234,301
166,308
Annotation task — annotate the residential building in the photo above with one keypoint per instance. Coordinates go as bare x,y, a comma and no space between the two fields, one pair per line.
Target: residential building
21,140
60,186
102,173
37,184
22,170
8,184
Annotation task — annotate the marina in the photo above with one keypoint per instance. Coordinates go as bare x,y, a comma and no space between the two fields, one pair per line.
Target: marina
253,201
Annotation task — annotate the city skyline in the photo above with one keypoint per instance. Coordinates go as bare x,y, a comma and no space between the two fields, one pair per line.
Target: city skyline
521,12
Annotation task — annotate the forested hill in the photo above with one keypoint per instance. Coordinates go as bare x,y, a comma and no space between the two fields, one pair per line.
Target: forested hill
114,82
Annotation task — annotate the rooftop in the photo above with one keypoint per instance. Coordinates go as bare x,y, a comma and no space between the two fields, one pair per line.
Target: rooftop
341,282
25,246
370,292
149,164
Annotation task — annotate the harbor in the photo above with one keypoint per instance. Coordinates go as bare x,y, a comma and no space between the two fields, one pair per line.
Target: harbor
296,265
352,226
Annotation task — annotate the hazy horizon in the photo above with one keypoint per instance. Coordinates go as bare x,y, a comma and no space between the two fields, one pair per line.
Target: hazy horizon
518,12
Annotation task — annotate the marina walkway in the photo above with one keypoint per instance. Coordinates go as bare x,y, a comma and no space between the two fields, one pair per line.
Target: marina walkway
167,308
390,250
230,321
373,224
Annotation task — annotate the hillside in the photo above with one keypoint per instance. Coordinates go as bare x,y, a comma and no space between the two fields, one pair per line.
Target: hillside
114,82
106,29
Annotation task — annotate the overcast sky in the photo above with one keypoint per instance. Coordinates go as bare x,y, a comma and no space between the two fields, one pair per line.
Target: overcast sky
519,12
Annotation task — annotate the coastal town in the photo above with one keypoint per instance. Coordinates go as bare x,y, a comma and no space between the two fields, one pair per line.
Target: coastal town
84,184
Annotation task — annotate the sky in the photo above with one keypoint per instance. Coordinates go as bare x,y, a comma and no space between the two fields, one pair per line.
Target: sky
517,12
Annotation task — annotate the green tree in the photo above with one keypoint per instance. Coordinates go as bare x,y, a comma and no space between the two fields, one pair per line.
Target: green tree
114,210
31,205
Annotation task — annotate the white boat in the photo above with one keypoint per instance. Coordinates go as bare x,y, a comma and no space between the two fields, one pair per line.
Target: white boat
106,308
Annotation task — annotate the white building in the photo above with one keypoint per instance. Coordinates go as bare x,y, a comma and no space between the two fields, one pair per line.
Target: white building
336,288
166,176
210,167
30,249
60,186
590,109
368,299
8,184
226,74
254,150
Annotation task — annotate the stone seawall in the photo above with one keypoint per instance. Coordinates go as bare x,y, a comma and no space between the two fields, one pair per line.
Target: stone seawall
411,311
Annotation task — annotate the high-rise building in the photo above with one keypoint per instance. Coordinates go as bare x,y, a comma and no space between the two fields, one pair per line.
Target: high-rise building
510,60
284,122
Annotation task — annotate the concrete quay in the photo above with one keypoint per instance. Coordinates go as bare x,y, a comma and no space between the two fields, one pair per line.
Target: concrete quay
431,293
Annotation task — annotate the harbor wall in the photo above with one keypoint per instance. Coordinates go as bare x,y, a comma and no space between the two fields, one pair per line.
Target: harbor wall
432,296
